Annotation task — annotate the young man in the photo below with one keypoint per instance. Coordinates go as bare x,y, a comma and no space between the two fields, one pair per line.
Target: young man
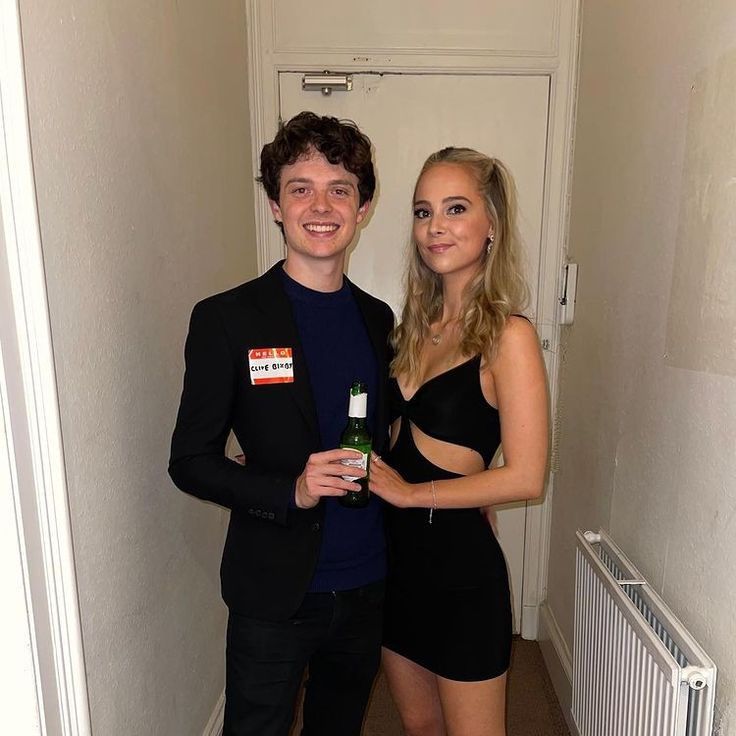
273,360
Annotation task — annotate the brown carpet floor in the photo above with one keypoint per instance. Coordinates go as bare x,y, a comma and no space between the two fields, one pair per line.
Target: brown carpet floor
532,707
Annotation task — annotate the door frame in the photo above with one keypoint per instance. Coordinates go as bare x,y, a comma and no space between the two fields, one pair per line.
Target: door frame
265,63
45,613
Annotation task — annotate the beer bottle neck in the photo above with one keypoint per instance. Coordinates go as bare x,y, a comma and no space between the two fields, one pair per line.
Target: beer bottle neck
358,406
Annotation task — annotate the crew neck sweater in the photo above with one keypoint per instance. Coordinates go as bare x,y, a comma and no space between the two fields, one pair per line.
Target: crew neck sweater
338,351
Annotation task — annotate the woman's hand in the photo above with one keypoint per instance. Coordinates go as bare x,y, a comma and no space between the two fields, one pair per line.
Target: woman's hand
385,482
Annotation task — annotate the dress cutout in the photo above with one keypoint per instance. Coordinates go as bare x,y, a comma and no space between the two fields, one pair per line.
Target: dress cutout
448,606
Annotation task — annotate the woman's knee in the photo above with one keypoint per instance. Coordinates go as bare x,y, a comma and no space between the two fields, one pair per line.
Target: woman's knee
422,724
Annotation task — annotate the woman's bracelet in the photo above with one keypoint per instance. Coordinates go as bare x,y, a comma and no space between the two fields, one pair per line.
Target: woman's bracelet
434,500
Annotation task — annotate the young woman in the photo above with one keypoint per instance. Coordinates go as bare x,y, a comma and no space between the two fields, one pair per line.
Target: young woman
468,378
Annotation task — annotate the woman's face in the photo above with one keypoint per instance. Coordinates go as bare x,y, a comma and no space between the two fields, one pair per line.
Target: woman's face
451,222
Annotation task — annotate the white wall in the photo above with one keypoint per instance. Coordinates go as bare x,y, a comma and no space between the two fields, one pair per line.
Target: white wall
648,389
18,686
139,124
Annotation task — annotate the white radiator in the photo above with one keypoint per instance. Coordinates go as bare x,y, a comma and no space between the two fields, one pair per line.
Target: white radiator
636,670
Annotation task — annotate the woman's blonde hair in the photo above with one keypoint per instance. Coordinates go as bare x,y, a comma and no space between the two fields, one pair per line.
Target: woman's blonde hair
495,292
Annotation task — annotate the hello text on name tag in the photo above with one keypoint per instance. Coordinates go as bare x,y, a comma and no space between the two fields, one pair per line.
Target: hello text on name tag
270,365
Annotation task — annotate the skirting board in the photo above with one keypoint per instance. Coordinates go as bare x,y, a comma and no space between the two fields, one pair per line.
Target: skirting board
557,657
216,722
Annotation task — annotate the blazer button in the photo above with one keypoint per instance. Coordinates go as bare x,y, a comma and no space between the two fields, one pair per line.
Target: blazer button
315,526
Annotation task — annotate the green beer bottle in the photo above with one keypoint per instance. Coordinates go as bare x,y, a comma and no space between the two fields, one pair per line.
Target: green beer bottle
356,437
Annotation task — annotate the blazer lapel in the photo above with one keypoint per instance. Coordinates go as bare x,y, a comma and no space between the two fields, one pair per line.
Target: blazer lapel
279,318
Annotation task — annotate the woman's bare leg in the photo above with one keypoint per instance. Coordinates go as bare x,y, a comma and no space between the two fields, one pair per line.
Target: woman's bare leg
474,708
414,690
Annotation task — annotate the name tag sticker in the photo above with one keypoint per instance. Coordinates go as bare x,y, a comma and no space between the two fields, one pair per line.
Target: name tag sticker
270,365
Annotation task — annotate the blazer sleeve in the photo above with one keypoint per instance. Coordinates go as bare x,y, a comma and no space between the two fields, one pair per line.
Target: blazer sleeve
198,464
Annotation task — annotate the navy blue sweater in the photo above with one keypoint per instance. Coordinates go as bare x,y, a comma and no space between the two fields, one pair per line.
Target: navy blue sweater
338,351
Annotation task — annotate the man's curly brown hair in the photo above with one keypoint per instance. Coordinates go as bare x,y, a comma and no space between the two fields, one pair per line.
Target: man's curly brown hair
339,141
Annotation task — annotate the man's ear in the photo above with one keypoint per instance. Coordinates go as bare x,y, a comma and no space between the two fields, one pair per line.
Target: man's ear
363,210
275,210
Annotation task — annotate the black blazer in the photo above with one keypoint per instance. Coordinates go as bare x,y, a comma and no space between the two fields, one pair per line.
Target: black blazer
271,549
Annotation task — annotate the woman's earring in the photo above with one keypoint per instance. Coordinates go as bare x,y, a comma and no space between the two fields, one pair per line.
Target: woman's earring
489,243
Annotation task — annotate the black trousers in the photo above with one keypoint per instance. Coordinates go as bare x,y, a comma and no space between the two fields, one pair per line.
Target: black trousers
336,635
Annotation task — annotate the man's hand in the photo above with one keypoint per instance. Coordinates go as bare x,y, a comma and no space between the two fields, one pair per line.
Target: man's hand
322,477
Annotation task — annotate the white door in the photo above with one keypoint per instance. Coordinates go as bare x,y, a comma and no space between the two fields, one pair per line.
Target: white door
407,117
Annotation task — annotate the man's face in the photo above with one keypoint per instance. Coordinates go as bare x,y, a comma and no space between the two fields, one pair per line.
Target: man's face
318,206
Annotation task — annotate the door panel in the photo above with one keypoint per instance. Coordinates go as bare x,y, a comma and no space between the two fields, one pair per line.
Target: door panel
511,26
407,117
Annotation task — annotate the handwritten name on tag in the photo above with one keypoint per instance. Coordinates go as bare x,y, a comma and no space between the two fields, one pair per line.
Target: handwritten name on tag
270,365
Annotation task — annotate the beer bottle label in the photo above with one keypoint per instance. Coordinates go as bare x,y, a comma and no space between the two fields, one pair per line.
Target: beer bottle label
356,462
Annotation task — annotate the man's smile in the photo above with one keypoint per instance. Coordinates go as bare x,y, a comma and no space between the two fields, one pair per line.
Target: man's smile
316,227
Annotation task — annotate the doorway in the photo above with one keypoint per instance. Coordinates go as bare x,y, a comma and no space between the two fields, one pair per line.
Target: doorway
408,116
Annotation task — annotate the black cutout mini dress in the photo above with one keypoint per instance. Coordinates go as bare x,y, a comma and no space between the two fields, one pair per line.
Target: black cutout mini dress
448,606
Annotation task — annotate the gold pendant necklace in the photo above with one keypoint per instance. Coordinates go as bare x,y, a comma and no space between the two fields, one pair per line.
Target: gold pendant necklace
436,337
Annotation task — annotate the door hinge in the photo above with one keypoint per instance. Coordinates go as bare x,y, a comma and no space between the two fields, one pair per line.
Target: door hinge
569,293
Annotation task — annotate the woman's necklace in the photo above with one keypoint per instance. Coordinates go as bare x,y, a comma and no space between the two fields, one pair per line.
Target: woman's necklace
436,337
